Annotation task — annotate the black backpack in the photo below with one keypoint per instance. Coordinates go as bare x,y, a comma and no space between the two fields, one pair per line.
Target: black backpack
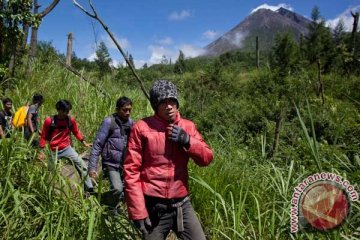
53,126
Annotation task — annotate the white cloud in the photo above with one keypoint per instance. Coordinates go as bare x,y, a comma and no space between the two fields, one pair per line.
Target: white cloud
166,41
272,7
92,56
124,43
346,18
237,39
177,16
210,34
139,63
157,52
191,51
114,63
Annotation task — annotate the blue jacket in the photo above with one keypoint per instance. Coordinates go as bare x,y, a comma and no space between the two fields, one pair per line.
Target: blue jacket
110,144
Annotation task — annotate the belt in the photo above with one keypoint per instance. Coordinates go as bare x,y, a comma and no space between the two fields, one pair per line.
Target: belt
179,213
176,203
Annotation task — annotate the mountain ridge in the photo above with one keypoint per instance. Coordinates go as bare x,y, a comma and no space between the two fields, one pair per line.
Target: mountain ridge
263,23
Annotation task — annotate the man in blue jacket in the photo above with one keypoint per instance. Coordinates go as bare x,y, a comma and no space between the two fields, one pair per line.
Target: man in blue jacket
111,142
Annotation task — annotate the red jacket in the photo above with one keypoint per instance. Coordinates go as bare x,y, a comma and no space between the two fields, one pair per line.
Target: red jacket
60,136
156,166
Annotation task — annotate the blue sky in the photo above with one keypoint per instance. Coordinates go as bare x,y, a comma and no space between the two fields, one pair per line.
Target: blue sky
149,29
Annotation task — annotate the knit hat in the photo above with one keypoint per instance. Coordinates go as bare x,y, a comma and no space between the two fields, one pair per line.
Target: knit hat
161,90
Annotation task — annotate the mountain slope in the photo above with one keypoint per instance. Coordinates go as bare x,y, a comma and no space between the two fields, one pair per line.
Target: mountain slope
263,23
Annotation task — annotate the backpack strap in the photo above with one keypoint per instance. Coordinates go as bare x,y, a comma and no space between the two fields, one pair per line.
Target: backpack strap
115,122
70,125
53,125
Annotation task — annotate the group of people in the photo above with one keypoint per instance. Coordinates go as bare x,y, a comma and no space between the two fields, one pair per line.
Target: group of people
6,117
151,157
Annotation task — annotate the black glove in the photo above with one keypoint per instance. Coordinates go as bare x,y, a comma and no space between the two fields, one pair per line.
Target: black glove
179,135
143,225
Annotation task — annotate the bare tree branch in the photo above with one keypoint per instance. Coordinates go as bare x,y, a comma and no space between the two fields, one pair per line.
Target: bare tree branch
83,9
75,72
49,8
95,16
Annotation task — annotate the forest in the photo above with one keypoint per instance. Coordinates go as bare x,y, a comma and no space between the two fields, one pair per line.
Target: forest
270,127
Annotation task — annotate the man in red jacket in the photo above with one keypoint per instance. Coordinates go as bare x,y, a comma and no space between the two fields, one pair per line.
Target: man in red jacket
155,168
57,130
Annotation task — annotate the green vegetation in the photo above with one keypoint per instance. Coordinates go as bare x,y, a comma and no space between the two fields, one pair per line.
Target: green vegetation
270,128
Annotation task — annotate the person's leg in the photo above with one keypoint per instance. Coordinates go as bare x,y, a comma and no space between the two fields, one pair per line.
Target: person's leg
192,226
161,226
116,193
79,163
27,133
161,219
115,181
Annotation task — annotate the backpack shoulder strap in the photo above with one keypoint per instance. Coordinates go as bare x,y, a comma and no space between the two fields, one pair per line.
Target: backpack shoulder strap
52,126
112,124
53,121
70,124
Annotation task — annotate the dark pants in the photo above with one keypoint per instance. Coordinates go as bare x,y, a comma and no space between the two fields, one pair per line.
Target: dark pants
164,218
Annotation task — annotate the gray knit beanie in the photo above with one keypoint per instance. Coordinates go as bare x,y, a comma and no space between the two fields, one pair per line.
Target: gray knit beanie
161,90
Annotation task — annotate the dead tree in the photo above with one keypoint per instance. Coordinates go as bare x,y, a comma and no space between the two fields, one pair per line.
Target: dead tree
33,38
353,33
257,53
320,90
96,17
69,50
34,29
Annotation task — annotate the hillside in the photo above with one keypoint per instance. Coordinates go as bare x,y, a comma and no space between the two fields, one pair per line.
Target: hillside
235,107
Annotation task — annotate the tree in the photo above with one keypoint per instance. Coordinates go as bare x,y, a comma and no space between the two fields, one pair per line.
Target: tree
164,60
34,29
180,65
103,60
339,32
131,61
285,63
320,49
13,16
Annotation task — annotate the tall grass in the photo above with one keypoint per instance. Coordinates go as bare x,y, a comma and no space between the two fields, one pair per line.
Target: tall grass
242,195
38,205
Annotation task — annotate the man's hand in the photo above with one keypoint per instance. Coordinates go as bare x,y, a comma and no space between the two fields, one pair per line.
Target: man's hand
93,174
177,134
88,145
143,225
41,156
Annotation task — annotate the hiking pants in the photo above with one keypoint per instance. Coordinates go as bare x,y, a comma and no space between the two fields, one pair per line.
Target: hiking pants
164,217
78,162
116,183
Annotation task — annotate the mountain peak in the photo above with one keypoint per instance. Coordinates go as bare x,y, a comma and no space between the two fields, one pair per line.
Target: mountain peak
263,23
293,16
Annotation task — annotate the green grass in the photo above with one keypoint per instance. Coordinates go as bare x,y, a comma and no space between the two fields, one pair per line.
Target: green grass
241,195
